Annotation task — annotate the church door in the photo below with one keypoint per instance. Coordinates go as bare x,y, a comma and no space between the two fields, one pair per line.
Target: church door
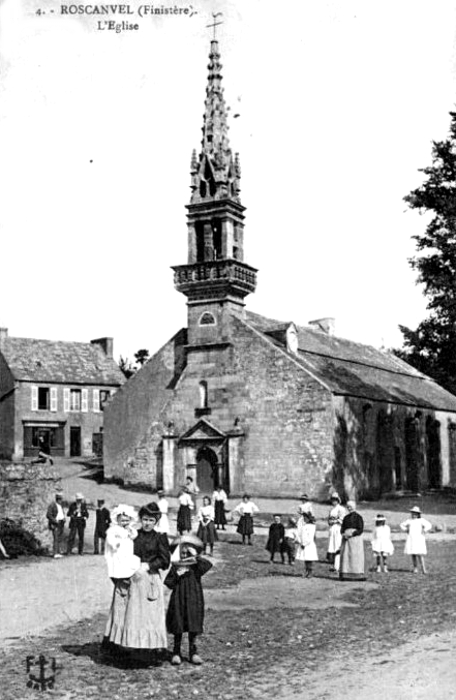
206,470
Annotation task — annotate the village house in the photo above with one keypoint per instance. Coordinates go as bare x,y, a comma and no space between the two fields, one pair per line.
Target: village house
52,396
264,406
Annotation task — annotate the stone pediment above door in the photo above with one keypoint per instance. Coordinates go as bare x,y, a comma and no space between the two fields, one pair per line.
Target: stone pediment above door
203,431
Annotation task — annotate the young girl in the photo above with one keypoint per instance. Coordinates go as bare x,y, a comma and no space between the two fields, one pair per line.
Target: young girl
306,549
246,510
289,541
163,524
415,544
186,604
184,517
220,498
382,547
121,561
275,539
206,530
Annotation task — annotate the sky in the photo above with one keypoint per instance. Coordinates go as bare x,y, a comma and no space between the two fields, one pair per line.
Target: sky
338,102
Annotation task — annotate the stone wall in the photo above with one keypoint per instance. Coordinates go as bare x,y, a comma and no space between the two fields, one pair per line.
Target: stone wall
382,448
26,490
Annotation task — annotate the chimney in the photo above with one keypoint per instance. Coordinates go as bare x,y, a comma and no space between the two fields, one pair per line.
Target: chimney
3,336
325,325
106,344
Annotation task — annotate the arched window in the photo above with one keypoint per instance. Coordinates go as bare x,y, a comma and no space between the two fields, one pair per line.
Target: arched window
203,395
207,319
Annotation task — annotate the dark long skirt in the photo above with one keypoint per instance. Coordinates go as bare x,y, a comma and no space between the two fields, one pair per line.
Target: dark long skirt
207,533
220,517
245,525
184,519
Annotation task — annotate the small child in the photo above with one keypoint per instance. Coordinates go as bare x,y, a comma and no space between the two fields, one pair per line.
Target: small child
246,510
186,604
206,530
289,541
307,549
275,539
415,544
122,562
382,547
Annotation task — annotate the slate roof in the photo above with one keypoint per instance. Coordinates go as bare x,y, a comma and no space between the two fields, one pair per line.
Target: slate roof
353,369
60,362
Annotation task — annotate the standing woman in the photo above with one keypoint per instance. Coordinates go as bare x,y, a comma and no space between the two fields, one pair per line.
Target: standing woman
137,617
163,523
220,498
336,515
352,549
246,510
184,515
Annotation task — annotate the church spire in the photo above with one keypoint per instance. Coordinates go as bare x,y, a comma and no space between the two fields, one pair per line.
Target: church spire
216,173
215,279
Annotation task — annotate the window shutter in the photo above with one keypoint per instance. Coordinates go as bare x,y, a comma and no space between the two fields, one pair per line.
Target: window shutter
85,400
96,399
53,398
34,398
66,400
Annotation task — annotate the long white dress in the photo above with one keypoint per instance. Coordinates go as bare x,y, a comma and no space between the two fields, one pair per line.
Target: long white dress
163,523
306,549
335,517
416,529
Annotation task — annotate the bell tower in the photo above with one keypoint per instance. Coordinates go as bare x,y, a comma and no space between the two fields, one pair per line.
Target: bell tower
216,279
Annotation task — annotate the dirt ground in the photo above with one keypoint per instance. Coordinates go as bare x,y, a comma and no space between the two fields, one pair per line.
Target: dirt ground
269,632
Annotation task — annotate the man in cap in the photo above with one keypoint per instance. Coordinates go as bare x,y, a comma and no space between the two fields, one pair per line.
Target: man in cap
56,523
78,515
102,522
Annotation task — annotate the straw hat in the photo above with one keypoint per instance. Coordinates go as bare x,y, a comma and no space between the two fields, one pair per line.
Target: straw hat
79,497
190,539
415,509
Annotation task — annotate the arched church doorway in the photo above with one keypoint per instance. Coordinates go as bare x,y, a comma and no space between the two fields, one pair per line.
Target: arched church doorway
206,470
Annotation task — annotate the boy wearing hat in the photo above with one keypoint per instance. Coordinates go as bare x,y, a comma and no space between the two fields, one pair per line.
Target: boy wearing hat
102,522
78,515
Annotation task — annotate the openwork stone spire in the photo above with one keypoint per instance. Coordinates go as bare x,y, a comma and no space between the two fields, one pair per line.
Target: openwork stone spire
215,174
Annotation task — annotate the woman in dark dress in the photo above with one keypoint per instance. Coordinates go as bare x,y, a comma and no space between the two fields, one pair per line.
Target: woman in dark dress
352,549
186,604
137,616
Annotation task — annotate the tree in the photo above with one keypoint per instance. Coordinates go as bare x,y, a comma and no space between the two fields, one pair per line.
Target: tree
126,367
141,356
431,348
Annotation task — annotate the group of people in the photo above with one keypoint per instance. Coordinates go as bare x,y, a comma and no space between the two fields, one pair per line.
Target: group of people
78,515
135,555
345,549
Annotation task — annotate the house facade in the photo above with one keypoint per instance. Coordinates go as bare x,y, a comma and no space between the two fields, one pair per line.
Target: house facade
260,405
52,396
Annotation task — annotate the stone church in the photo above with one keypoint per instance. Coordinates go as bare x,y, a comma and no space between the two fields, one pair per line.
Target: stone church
260,405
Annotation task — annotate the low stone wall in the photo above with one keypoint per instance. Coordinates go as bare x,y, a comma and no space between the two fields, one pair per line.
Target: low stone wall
26,490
